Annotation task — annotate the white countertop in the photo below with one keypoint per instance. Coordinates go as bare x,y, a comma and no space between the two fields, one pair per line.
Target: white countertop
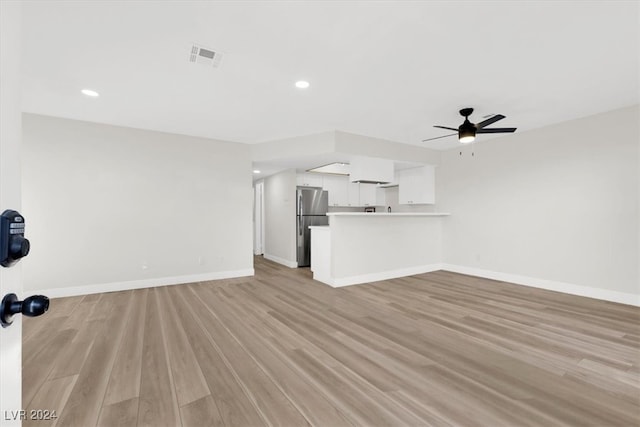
319,226
377,214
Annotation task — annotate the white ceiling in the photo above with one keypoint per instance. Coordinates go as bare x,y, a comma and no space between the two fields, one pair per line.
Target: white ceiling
385,69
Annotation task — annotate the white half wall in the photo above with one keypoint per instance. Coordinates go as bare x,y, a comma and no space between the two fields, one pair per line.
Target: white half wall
280,218
374,247
558,204
110,208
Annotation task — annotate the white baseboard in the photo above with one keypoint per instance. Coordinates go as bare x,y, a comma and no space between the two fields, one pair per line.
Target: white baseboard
327,280
285,262
139,284
375,277
567,288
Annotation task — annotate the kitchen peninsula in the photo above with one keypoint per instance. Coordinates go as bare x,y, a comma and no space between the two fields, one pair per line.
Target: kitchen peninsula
365,247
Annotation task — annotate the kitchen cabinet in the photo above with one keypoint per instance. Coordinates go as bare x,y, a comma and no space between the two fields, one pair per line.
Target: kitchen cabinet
393,183
368,195
337,187
353,193
309,180
381,196
370,170
417,186
350,194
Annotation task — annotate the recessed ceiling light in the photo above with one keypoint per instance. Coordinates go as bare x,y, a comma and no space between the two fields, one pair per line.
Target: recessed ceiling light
302,84
90,92
256,171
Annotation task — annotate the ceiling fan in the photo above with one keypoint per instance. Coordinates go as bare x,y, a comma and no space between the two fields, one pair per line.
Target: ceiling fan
467,131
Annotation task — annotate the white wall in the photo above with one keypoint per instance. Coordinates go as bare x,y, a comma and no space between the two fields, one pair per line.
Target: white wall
280,218
305,145
559,204
128,208
360,145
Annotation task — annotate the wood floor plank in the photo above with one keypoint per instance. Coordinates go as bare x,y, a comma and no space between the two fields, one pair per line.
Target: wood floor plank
124,381
86,398
189,381
51,397
75,354
64,307
272,404
201,412
72,358
234,405
158,404
80,313
439,349
38,342
319,411
350,399
120,414
36,371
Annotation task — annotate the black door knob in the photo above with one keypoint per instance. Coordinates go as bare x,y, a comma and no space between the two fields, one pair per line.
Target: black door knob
32,306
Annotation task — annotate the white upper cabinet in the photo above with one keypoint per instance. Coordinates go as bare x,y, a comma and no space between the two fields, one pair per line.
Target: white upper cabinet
309,180
393,183
354,194
350,194
368,194
381,196
417,186
367,170
337,188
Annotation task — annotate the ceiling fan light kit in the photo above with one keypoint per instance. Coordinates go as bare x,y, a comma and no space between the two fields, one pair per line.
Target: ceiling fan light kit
466,139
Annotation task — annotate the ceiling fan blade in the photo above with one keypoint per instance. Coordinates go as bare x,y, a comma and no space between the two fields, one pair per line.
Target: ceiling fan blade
444,127
489,121
497,130
438,137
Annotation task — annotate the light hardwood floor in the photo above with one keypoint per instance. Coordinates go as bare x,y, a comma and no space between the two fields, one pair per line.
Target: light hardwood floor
281,349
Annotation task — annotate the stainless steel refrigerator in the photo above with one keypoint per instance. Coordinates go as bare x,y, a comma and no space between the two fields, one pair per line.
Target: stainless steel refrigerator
312,205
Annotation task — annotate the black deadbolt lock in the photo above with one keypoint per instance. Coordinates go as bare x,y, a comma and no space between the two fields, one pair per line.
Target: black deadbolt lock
13,245
32,306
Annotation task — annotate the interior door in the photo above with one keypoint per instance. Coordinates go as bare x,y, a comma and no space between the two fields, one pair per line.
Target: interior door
10,197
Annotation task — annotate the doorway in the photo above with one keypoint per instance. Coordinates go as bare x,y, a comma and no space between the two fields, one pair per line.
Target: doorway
258,218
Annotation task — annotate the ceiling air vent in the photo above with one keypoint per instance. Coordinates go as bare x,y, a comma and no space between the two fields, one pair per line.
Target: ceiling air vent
204,56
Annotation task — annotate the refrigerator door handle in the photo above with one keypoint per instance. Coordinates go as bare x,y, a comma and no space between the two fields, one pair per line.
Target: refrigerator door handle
300,205
300,214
